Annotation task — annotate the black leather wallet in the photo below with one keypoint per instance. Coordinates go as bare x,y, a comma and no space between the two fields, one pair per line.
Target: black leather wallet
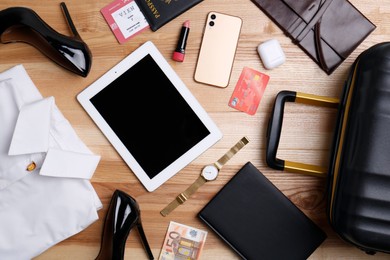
327,30
258,221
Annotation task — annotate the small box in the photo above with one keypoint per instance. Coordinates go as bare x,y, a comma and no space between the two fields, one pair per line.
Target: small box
271,54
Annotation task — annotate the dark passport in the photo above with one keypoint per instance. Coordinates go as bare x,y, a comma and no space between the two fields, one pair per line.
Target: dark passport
159,12
327,30
258,221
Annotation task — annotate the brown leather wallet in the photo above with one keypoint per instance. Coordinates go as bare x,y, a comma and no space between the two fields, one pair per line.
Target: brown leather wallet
327,30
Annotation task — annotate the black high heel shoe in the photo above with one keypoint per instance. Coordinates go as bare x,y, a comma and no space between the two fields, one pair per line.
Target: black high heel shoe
123,214
21,24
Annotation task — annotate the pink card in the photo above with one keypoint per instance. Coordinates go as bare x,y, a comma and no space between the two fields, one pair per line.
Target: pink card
124,18
249,91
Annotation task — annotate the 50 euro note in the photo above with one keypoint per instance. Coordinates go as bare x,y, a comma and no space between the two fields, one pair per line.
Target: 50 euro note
182,242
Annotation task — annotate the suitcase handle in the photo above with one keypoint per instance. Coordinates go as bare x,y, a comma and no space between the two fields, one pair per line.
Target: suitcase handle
275,128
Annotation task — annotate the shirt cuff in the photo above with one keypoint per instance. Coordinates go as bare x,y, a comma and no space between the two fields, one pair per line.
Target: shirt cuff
60,163
31,134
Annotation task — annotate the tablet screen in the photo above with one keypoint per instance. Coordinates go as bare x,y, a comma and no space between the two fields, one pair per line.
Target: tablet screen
149,116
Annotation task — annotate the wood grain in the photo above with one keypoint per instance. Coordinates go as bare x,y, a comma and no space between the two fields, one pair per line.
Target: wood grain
306,134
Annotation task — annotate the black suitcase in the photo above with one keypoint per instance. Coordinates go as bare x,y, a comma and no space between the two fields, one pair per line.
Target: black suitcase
358,205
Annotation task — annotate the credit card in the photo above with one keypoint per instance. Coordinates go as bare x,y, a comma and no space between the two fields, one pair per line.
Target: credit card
249,91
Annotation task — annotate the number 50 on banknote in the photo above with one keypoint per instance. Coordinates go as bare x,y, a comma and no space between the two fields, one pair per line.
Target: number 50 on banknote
182,242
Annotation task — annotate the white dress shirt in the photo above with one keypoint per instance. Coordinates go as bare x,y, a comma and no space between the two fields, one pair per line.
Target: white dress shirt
45,171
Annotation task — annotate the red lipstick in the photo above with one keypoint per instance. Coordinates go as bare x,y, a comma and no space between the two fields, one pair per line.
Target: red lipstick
179,53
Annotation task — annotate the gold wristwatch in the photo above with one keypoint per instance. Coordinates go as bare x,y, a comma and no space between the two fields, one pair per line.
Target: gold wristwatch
209,173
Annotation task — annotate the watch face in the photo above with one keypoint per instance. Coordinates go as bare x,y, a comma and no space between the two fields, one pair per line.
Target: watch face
210,172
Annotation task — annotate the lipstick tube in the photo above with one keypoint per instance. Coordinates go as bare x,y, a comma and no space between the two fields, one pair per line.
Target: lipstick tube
179,52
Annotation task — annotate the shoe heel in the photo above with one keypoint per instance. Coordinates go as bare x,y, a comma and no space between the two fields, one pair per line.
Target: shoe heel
69,20
144,240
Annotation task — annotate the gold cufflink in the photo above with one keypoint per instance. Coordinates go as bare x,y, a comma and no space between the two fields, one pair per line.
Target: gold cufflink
31,166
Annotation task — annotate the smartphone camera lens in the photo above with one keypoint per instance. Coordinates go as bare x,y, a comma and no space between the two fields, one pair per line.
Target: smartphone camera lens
213,16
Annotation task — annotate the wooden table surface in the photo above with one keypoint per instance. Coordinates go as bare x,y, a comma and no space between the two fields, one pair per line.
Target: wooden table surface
306,134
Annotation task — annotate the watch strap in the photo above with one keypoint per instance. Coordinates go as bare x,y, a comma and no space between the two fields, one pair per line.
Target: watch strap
229,154
184,196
